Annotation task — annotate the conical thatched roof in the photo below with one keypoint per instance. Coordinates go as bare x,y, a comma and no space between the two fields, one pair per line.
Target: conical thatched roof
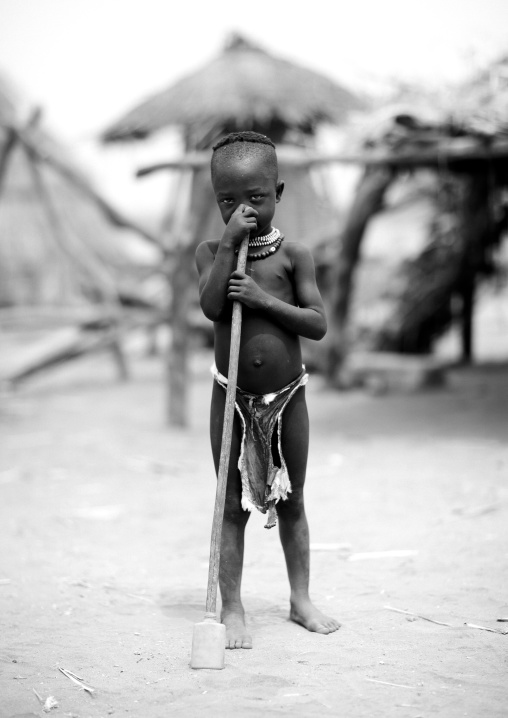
60,241
243,88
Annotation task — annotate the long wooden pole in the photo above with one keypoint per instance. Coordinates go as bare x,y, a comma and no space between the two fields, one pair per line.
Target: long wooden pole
225,451
443,153
179,236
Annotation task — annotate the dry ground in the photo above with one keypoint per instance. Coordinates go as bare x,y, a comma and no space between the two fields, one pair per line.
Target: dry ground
105,518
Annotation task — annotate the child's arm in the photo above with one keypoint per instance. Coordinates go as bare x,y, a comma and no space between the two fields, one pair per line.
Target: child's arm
306,319
215,270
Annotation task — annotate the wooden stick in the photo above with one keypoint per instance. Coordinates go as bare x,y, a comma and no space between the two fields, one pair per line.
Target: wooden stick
443,152
227,433
8,145
418,615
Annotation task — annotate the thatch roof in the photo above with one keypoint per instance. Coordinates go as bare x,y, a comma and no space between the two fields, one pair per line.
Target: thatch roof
456,127
60,241
243,88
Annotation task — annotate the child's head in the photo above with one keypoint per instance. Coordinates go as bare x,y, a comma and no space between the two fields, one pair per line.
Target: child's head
244,171
239,146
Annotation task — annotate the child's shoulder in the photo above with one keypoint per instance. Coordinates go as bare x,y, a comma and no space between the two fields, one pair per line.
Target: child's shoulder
209,246
297,251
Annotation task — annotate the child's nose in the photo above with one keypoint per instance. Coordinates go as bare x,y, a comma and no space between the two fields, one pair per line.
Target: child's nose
240,203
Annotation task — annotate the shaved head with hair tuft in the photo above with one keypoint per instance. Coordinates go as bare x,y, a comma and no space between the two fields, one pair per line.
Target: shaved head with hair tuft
239,146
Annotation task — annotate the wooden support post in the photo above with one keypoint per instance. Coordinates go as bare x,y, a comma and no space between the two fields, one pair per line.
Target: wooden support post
193,204
5,153
467,316
178,349
368,200
478,233
176,356
118,355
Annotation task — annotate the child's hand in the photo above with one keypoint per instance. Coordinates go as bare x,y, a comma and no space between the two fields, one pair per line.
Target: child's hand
243,288
241,223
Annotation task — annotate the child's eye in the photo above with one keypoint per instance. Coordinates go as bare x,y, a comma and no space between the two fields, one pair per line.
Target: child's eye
257,197
227,201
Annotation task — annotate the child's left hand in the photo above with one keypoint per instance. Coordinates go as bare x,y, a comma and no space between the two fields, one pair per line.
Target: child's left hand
243,288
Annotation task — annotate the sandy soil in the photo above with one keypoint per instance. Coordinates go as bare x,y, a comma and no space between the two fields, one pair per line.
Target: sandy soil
105,518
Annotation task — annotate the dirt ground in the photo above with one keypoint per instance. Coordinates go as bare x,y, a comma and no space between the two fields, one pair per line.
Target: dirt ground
105,518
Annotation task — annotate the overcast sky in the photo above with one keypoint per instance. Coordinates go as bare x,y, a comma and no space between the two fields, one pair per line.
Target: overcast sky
87,61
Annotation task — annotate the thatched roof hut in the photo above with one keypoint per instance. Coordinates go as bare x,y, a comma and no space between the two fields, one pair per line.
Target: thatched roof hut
244,88
61,243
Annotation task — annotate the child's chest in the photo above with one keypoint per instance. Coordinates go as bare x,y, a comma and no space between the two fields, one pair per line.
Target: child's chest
273,275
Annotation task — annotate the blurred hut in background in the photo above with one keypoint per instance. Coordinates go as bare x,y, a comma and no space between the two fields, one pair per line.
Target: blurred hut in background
244,88
443,164
67,256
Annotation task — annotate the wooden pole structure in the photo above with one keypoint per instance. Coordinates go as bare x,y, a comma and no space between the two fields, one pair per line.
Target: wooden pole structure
448,152
380,168
81,259
99,276
81,184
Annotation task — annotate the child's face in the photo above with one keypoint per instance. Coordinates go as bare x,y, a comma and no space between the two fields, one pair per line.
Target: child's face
249,181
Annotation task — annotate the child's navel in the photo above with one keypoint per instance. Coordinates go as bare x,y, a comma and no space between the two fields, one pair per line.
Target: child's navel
258,362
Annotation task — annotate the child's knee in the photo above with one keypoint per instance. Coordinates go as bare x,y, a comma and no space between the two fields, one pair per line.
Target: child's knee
233,511
293,508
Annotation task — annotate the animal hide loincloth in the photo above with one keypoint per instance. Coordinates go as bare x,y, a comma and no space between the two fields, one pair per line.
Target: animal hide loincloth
263,483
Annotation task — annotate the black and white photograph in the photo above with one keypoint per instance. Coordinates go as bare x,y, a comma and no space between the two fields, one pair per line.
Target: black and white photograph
253,359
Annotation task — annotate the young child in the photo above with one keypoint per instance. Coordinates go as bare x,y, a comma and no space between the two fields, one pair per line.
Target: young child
281,302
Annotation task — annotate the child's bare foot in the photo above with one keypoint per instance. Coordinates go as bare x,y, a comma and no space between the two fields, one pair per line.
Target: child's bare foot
307,615
237,635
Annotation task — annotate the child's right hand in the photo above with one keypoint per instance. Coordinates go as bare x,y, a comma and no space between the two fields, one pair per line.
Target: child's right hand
241,223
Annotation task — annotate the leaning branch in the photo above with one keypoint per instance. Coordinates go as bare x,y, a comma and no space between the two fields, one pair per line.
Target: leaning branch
114,216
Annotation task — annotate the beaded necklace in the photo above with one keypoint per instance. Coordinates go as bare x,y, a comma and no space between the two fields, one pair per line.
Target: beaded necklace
267,252
265,239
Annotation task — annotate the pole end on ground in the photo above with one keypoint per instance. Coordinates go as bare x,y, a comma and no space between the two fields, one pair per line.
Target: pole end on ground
208,645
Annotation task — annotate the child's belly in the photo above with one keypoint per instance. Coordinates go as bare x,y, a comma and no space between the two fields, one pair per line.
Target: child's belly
270,357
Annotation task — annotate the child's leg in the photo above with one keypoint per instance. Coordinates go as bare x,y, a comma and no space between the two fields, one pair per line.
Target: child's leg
233,528
293,527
